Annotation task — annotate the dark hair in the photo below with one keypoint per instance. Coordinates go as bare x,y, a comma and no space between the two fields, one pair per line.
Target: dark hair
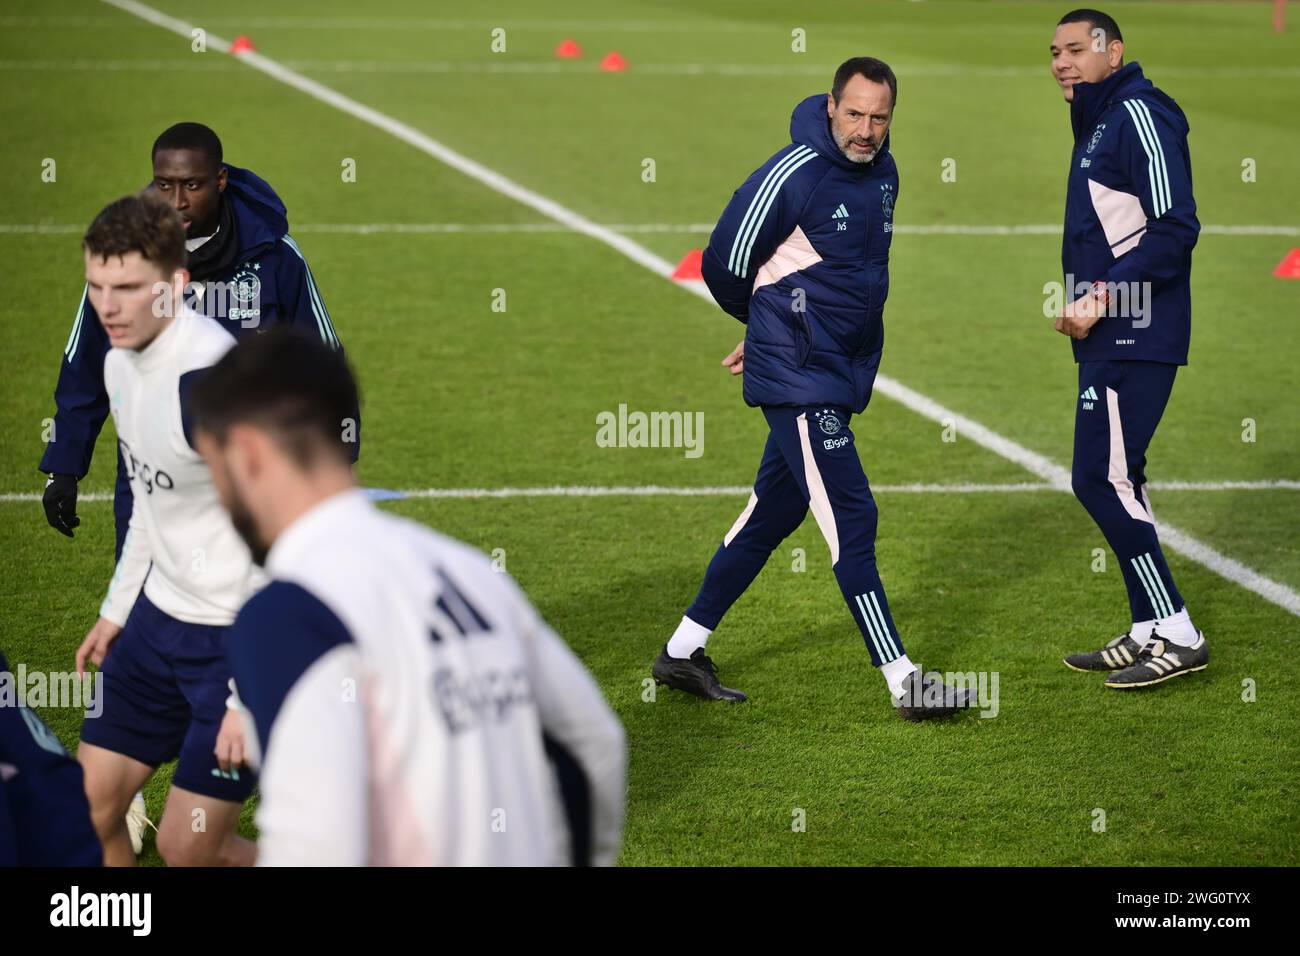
193,136
875,70
1096,20
138,224
288,384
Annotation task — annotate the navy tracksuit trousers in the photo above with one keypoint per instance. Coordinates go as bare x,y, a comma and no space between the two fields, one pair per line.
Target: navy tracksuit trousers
1120,404
810,462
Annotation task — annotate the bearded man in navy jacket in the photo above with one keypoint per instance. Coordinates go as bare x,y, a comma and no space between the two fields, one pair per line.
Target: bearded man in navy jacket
801,256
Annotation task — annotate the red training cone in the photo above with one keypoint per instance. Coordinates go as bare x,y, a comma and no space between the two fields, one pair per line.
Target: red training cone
689,267
613,62
242,44
568,50
1289,267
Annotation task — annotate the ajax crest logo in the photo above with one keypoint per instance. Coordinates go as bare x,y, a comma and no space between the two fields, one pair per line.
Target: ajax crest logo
1096,137
246,287
828,423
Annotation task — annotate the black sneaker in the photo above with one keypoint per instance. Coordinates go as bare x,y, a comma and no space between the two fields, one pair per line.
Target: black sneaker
1118,654
1160,661
925,696
696,675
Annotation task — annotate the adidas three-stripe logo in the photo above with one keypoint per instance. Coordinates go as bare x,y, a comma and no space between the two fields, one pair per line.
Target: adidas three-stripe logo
1157,170
74,339
840,212
1090,394
869,608
1163,665
761,204
1153,585
1117,656
323,324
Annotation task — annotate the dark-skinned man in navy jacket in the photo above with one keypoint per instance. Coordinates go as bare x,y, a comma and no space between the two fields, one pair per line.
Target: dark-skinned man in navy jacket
1130,226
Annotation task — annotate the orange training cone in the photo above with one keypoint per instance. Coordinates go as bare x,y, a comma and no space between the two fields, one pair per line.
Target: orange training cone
689,267
613,62
242,44
568,50
1289,267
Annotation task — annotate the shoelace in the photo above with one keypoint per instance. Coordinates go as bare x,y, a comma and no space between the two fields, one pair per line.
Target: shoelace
707,663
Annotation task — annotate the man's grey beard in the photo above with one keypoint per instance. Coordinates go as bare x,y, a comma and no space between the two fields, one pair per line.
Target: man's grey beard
843,143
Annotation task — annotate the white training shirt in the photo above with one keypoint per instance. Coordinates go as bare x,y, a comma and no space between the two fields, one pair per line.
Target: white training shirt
402,699
180,544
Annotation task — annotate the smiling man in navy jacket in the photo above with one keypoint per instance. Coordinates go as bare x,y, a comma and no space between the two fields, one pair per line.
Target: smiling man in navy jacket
801,256
1130,225
247,273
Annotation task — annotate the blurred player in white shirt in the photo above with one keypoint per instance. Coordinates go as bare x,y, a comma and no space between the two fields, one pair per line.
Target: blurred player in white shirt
184,571
408,705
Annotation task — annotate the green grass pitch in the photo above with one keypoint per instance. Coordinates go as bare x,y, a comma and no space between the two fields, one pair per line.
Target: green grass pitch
460,396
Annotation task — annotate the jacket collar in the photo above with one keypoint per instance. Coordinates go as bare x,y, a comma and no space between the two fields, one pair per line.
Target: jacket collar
1091,100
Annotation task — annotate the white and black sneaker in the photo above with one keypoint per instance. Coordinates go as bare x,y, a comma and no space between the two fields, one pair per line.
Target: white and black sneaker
1160,660
1118,654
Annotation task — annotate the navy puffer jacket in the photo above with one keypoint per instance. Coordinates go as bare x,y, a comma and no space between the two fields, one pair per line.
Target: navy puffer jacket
801,255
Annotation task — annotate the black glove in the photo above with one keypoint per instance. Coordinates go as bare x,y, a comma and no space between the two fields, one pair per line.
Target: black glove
60,502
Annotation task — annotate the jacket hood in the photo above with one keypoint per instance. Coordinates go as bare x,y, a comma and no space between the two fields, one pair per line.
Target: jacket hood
810,127
1092,100
260,216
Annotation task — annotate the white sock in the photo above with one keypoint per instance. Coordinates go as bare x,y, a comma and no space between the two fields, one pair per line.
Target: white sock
1141,631
895,672
687,638
1177,629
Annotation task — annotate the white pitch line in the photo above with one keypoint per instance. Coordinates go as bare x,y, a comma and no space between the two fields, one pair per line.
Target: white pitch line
820,70
590,67
614,491
684,228
404,24
195,63
706,491
1035,463
724,491
1274,485
911,488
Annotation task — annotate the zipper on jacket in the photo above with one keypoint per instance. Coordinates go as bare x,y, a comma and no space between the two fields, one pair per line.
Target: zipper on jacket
866,264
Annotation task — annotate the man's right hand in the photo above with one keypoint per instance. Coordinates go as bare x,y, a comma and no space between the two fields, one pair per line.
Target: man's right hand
95,647
60,502
736,360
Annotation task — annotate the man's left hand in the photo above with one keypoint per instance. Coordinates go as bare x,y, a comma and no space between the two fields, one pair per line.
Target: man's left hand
1077,319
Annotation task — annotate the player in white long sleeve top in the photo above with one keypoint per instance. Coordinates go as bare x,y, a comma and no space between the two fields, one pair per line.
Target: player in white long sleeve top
408,704
184,570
